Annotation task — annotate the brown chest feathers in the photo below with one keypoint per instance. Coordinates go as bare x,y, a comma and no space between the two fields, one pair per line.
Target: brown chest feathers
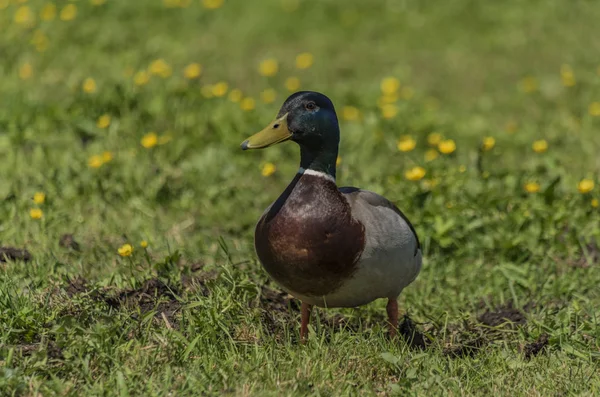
307,240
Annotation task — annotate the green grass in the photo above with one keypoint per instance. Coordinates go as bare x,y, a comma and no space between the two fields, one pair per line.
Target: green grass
209,322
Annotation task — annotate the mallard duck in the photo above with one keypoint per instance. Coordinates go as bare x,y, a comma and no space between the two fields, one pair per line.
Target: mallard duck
324,245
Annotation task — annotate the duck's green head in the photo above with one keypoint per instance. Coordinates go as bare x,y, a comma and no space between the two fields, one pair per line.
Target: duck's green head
307,118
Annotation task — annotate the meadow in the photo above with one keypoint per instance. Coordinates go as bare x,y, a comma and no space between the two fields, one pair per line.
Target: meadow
127,208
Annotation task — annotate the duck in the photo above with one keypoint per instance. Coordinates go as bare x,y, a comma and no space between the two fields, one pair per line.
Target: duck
325,245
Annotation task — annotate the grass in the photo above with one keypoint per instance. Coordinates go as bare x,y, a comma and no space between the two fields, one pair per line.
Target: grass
507,299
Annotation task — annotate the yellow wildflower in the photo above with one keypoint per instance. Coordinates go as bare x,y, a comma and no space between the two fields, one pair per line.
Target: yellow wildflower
149,140
36,213
406,143
68,13
292,83
48,12
103,121
528,85
25,71
39,197
350,113
338,161
144,244
95,161
235,95
89,85
595,203
594,109
160,68
141,78
125,250
431,154
304,60
488,143
268,169
434,138
415,173
24,16
447,146
212,4
247,104
540,146
192,71
585,186
532,187
389,85
268,95
389,111
567,76
220,89
107,157
268,67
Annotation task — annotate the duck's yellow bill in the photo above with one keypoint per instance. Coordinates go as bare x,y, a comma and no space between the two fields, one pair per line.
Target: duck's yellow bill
274,133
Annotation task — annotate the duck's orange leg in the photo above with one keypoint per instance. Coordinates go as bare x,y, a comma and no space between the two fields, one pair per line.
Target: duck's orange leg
305,313
392,312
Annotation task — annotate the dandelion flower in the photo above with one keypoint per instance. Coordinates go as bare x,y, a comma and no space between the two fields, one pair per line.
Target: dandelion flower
144,244
48,12
39,197
89,85
95,161
212,4
24,16
447,146
532,187
431,154
540,146
528,85
192,71
389,111
292,83
220,89
415,174
389,85
235,95
125,250
36,213
268,95
434,138
406,143
68,13
585,186
304,60
595,203
268,169
350,113
338,161
594,109
141,78
247,104
107,157
149,140
268,67
103,121
488,143
567,76
160,68
25,71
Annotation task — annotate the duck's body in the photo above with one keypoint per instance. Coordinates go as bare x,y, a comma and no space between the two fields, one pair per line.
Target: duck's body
330,246
333,247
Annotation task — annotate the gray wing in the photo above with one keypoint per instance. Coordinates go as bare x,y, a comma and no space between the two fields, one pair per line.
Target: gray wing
358,198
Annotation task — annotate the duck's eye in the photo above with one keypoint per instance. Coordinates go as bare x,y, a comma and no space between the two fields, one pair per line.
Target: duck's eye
310,106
